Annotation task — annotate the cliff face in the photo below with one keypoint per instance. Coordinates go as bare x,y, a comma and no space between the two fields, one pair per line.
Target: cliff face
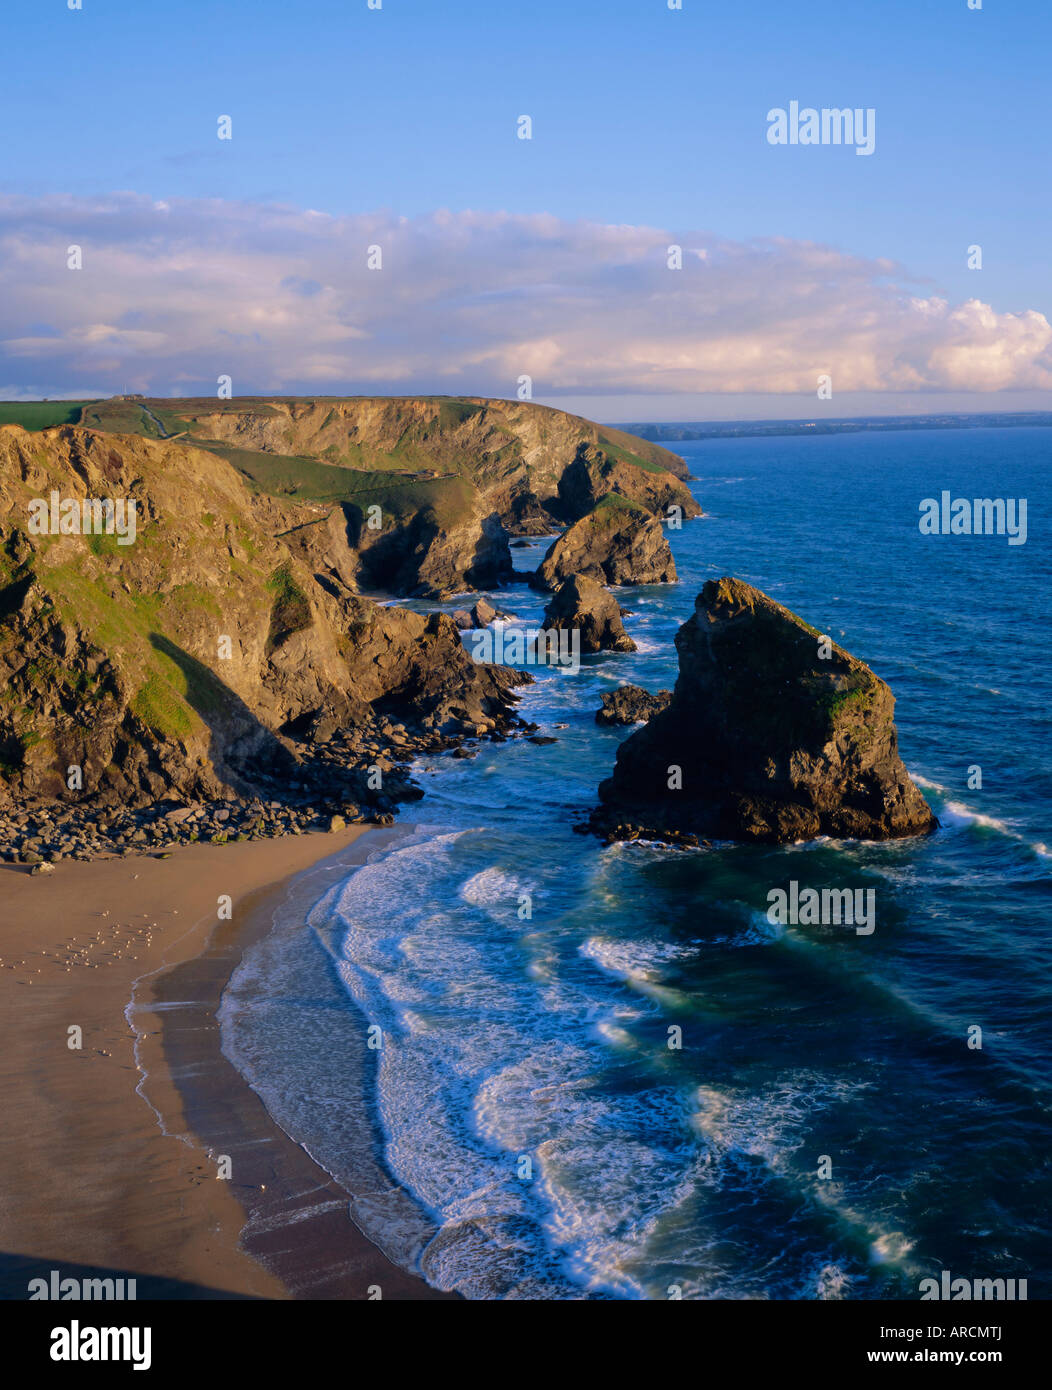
764,739
435,552
595,473
429,488
192,659
616,543
421,540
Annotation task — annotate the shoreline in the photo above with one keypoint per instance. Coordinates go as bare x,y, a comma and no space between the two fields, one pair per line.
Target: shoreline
108,1147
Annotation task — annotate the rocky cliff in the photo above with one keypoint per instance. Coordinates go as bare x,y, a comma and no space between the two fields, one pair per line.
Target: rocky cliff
772,734
204,657
425,491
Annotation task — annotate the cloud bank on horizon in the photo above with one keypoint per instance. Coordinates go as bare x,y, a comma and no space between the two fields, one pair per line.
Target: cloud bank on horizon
171,295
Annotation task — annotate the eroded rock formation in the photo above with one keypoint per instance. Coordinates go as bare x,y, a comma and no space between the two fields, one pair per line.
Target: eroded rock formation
616,543
581,603
772,734
202,657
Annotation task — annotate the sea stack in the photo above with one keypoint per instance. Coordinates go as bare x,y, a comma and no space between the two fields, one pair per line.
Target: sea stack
773,733
581,603
618,542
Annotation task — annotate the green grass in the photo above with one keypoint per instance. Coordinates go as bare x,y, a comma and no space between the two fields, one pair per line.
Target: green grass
116,417
836,701
173,687
287,475
291,610
41,415
613,502
454,412
307,480
104,543
622,455
132,417
162,708
642,452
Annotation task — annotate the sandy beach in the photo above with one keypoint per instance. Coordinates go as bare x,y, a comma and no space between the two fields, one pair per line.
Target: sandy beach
106,1167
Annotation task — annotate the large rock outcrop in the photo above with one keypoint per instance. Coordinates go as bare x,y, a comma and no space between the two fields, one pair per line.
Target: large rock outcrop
583,604
616,543
773,734
428,539
435,552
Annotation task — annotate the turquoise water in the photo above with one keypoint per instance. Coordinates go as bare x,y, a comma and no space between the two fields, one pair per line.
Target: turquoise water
824,1130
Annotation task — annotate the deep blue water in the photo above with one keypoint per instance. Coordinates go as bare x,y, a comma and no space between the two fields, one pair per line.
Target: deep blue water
528,1098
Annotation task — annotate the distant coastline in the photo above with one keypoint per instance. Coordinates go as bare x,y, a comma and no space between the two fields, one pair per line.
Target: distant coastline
742,429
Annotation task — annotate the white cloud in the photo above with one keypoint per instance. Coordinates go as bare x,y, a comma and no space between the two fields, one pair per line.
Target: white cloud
174,294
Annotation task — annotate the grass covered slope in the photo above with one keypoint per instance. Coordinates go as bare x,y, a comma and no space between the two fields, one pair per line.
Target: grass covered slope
414,433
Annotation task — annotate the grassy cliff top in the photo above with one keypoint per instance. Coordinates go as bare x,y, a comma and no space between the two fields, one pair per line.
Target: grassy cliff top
414,433
442,455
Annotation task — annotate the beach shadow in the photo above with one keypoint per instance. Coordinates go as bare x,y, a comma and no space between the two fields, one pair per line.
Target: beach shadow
17,1271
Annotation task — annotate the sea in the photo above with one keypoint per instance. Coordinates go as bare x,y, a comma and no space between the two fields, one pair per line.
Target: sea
603,1072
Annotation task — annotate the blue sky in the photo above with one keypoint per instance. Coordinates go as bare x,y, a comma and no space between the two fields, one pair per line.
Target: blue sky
642,117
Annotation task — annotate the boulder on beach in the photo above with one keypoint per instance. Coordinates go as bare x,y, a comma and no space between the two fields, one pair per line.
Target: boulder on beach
773,733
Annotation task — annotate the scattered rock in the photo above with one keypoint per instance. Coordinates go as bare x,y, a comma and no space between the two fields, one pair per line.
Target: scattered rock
483,613
631,704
